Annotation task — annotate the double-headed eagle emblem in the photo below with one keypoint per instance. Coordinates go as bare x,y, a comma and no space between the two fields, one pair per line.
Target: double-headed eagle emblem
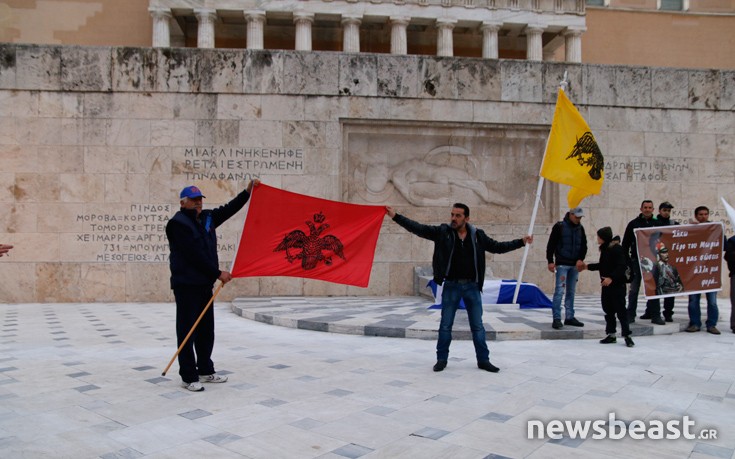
587,153
311,246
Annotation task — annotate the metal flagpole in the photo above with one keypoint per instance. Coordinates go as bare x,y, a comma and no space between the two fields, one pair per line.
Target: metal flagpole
563,85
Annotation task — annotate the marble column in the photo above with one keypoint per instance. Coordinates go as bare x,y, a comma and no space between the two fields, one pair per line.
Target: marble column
490,39
255,28
205,33
534,45
351,31
161,27
398,40
573,44
444,39
303,23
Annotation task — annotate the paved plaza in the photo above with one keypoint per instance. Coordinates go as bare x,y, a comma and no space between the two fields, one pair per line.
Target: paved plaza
84,381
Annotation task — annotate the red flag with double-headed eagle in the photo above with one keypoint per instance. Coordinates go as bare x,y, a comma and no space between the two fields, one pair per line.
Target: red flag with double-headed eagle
294,235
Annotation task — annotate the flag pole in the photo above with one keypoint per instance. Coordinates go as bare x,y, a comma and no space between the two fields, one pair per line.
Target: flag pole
563,85
178,351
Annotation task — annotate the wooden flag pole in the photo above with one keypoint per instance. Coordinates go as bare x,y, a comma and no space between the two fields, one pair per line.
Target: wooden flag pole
216,292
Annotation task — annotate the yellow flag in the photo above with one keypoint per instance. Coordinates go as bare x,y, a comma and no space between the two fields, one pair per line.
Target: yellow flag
572,156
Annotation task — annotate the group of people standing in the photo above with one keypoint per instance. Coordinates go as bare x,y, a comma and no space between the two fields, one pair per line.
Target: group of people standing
458,264
619,265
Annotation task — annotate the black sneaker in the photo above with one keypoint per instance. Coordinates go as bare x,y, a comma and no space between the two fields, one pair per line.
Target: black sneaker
609,339
487,366
658,321
573,322
629,341
440,365
669,319
646,316
556,324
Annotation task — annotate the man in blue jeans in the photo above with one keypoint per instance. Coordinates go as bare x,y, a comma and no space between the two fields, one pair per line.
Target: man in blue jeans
459,266
565,254
701,215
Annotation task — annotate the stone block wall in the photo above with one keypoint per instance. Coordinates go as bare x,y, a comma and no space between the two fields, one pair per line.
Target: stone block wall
96,143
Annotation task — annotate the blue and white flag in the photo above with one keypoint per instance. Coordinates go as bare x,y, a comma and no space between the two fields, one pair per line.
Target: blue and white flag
500,292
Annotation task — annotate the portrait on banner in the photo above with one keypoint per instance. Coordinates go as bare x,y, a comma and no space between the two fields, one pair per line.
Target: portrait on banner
680,260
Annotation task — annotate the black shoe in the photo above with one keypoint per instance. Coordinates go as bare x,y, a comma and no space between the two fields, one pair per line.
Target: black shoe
573,322
658,321
440,365
629,341
556,324
646,316
487,366
669,319
609,339
631,318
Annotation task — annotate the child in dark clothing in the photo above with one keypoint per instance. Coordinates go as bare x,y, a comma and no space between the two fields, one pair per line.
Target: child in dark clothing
612,273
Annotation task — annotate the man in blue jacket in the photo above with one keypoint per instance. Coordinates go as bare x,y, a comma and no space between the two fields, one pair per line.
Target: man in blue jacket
194,264
459,264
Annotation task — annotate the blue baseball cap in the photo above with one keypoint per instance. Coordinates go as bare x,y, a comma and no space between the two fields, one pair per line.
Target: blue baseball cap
191,192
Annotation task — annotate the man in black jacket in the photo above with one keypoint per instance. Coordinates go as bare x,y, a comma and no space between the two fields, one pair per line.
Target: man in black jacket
643,220
730,259
194,264
459,265
653,307
565,254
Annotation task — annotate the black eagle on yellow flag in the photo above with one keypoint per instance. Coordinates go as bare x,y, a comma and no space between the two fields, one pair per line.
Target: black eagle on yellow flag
572,156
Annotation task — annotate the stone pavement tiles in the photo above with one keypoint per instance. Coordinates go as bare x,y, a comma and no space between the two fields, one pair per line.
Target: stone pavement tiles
410,317
84,381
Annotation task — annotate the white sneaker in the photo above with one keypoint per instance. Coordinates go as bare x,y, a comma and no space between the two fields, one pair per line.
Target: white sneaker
195,386
214,378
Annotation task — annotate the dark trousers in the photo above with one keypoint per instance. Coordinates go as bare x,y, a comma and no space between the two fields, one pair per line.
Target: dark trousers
195,356
634,288
732,303
653,307
613,304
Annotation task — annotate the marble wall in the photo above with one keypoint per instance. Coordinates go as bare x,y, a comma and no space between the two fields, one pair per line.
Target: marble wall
95,144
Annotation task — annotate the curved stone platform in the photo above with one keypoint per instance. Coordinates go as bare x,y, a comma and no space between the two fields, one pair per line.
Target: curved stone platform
410,317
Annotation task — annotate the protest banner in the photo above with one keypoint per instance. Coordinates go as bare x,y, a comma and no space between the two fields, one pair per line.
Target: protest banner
680,259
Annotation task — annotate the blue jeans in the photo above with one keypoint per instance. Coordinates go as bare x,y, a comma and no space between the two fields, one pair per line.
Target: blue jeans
451,294
566,282
695,313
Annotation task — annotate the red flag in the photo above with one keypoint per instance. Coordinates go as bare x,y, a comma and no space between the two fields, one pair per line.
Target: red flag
290,234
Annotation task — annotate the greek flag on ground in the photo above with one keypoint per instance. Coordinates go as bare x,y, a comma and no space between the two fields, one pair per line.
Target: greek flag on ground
496,291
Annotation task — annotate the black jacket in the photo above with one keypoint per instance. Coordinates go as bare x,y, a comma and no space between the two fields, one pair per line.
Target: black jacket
629,245
193,243
561,245
444,236
612,263
730,255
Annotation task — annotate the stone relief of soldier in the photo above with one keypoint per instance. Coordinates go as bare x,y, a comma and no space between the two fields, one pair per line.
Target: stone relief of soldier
433,180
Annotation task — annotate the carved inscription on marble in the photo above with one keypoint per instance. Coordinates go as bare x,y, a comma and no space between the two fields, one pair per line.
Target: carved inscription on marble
655,169
134,235
240,163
